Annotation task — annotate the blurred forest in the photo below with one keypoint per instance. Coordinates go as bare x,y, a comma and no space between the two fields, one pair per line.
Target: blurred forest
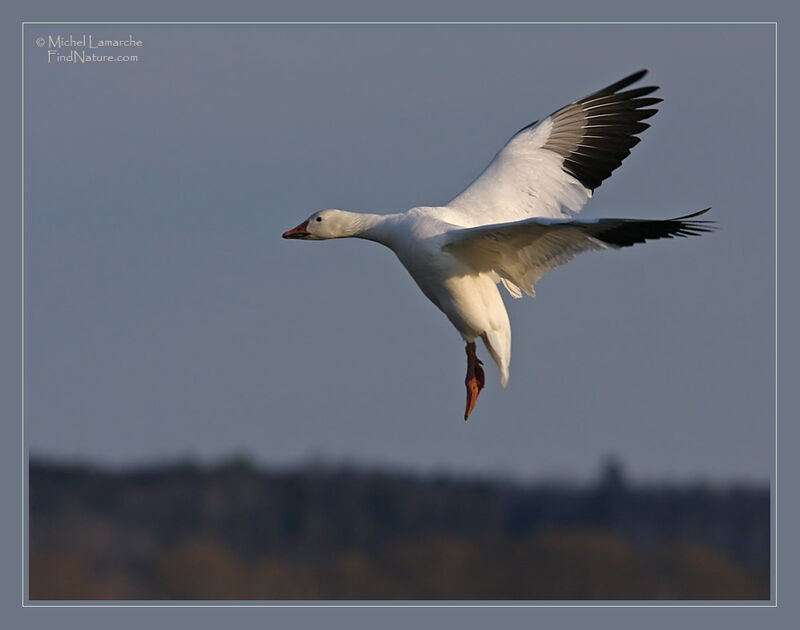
234,531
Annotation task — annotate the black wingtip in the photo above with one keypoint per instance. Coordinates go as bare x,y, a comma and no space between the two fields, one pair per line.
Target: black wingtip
693,215
622,83
626,232
595,133
631,78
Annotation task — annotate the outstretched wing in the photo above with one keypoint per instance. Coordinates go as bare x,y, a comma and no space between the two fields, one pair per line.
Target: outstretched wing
522,252
550,169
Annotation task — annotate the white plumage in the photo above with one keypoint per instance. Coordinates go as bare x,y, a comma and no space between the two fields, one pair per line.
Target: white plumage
514,223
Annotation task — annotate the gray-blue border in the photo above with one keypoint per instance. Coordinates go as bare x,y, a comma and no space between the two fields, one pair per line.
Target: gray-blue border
15,465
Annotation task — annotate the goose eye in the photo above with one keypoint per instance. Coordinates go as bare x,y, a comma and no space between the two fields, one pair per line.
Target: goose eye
319,219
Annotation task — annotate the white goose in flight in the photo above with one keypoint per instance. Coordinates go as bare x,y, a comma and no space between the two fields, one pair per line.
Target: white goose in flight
514,223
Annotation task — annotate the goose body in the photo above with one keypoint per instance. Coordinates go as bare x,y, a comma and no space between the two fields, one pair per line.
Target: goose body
515,222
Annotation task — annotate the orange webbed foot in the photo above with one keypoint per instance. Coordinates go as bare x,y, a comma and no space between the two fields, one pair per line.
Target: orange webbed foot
476,379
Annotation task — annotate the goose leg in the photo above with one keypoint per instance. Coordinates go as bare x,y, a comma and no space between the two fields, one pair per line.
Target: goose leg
475,378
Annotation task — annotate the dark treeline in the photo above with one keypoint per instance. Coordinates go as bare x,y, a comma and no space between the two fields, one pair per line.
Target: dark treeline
234,531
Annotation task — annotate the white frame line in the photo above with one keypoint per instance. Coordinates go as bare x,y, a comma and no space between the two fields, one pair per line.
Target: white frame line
773,574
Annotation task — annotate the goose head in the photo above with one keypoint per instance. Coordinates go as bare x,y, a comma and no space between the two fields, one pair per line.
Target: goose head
326,224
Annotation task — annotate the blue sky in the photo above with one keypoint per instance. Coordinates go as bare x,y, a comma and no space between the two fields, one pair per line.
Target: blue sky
165,316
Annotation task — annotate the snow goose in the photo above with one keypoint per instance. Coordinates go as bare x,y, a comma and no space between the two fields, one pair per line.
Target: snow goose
515,222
